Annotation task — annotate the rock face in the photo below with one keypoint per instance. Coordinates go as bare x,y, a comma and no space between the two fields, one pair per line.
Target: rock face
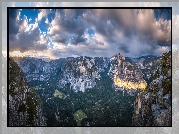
125,74
147,64
24,106
81,73
40,70
153,107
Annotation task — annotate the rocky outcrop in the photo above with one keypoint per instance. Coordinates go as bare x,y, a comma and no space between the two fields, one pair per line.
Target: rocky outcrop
164,119
149,111
24,106
147,64
39,69
125,75
153,106
82,72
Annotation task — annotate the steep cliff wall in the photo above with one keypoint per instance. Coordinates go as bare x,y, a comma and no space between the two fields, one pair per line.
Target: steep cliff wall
153,106
24,107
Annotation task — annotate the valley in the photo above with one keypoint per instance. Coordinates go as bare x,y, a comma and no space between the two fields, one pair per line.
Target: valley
86,91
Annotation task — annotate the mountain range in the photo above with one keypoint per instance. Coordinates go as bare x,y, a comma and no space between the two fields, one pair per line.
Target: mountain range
99,91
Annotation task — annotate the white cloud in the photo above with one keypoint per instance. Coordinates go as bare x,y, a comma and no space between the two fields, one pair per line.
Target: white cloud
40,54
148,29
54,25
24,36
161,50
59,46
30,19
46,21
24,27
43,13
160,30
119,36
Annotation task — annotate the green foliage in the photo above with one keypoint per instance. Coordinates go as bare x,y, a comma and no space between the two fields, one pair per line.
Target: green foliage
166,62
59,94
38,88
31,107
130,67
22,108
77,73
78,116
147,109
155,90
18,81
101,105
167,86
157,74
166,65
32,68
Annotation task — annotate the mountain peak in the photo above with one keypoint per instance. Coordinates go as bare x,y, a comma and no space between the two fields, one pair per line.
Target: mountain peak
121,56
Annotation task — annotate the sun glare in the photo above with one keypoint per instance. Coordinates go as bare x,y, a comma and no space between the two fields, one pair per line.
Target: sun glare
15,53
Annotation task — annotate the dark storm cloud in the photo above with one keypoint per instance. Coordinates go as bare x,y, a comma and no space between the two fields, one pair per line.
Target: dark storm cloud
59,38
129,23
106,21
28,41
74,22
22,40
131,31
164,43
101,22
78,39
98,42
124,48
110,22
79,36
116,26
69,22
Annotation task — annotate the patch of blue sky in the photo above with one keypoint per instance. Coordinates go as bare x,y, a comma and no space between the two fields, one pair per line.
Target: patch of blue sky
162,13
30,13
71,36
51,15
42,25
51,44
91,32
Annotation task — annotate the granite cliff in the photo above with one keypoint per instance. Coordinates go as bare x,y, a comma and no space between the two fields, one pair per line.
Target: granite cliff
24,105
153,106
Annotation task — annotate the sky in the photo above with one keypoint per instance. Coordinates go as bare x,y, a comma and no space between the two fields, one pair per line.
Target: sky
59,33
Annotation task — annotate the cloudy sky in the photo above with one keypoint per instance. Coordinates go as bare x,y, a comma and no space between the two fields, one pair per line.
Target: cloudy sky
57,33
